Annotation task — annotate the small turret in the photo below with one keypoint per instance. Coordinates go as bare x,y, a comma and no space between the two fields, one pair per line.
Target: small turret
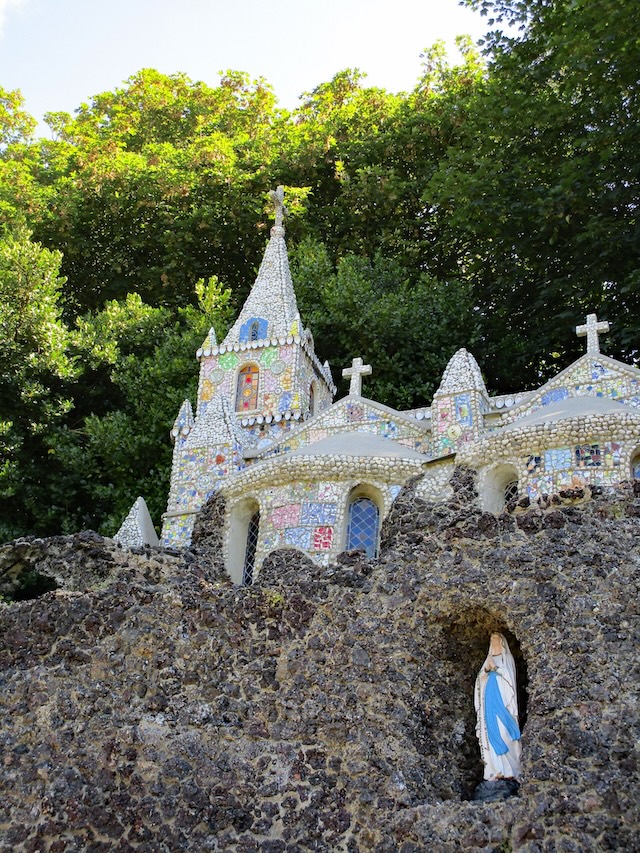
459,404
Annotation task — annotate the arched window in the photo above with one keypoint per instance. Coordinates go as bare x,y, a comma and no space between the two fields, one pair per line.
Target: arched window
312,399
499,485
250,550
247,388
635,467
363,523
244,533
511,491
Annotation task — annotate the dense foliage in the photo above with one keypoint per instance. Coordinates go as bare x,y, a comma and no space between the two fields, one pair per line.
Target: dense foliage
492,207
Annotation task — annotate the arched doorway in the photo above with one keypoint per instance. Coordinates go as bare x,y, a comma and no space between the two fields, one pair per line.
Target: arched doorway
244,536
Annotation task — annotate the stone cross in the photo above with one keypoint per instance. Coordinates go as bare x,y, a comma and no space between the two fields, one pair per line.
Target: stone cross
591,329
356,372
277,197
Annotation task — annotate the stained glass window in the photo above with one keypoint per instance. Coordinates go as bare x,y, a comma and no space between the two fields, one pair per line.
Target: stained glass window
364,521
250,551
247,390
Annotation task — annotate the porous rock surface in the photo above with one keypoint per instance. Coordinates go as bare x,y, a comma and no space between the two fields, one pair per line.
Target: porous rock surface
153,706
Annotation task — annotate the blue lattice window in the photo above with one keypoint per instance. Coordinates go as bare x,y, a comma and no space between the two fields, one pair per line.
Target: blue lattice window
255,329
253,531
363,525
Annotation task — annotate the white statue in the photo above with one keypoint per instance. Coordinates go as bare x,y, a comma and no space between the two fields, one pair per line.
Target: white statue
496,704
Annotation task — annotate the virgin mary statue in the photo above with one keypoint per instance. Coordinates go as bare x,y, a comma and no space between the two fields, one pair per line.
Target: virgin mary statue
496,704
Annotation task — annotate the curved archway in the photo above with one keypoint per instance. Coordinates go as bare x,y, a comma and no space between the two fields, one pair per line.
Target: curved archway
363,514
244,535
635,464
466,634
247,386
499,486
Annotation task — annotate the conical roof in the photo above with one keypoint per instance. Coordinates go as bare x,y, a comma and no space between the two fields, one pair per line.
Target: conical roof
461,374
137,529
184,422
216,425
272,301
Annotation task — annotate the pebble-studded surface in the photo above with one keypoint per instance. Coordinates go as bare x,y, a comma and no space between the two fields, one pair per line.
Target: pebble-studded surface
150,705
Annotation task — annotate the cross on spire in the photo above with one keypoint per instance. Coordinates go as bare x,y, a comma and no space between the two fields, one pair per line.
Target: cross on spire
277,197
591,329
356,372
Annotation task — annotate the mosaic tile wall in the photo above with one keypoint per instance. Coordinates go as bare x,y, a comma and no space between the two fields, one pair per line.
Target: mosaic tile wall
359,417
286,374
577,465
456,420
196,473
310,516
591,378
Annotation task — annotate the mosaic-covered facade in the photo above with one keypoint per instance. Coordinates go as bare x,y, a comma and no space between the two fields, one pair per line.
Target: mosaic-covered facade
300,470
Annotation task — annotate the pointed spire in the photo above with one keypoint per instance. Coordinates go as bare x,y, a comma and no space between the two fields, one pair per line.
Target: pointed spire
271,307
461,374
208,344
217,425
183,424
137,529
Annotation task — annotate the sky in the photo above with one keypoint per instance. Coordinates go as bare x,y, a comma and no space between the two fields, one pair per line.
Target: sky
60,53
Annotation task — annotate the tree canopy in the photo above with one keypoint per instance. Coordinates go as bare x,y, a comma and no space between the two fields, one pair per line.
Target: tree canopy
492,207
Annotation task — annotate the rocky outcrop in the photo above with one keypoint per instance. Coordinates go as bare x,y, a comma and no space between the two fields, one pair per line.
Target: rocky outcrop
155,706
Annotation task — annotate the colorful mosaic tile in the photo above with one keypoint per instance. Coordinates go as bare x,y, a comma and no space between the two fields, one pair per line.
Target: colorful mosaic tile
464,415
285,402
299,537
355,412
611,452
328,491
554,396
588,456
228,360
533,463
286,516
322,538
558,459
318,513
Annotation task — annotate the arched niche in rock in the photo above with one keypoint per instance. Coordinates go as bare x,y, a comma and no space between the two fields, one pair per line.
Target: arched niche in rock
498,486
466,635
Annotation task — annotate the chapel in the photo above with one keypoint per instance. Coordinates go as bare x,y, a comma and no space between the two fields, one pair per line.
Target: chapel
299,469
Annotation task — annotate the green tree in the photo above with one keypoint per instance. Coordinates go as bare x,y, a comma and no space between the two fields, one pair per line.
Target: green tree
539,201
34,369
138,367
406,326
